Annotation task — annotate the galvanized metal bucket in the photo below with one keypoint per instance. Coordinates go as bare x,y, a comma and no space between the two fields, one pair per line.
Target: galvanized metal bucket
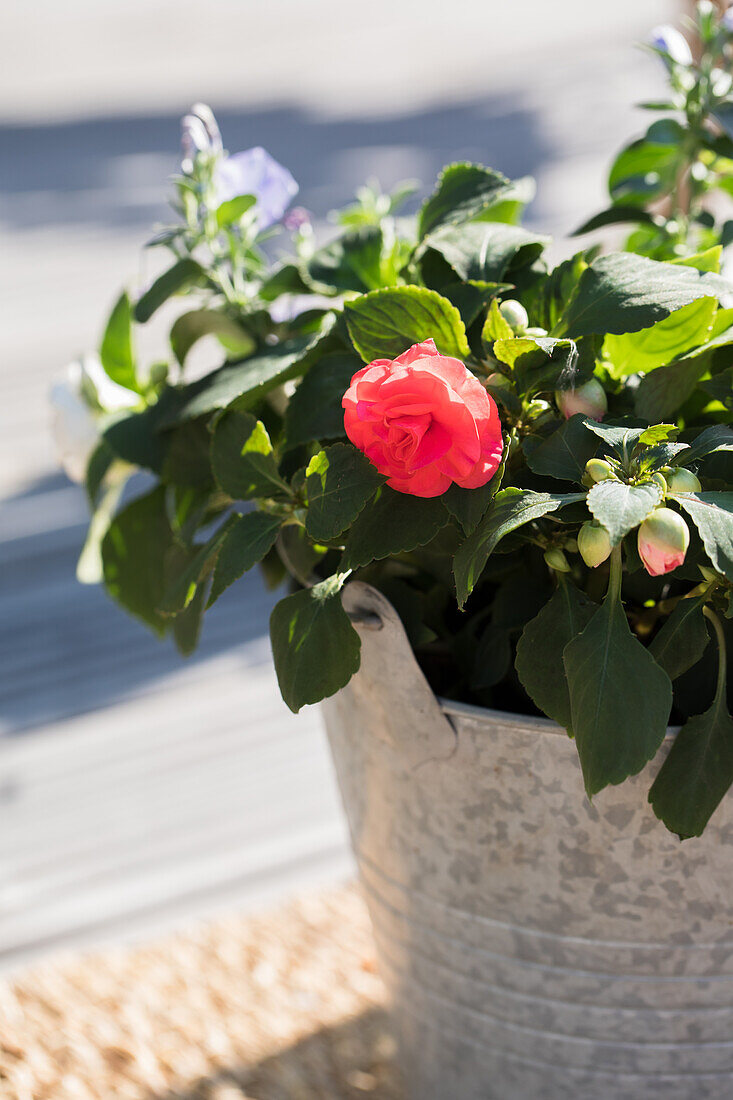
535,946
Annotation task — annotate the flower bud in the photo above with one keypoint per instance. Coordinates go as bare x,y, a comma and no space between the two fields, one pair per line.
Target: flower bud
668,40
683,481
194,140
659,479
557,560
663,540
514,314
594,543
203,112
598,469
535,331
589,399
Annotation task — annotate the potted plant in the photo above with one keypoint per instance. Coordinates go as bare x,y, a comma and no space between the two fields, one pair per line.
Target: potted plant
501,496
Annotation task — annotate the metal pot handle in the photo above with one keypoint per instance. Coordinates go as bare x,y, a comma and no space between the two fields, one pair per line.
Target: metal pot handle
411,720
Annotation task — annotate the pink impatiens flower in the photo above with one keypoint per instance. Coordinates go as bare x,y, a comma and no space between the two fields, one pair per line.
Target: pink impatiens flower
663,540
424,421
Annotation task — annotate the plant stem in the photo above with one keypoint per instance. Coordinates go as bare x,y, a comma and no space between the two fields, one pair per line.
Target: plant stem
722,651
615,574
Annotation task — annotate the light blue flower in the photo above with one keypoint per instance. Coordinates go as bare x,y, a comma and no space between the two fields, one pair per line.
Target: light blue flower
672,42
255,172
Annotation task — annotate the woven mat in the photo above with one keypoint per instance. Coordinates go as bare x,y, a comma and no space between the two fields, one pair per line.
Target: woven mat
285,1006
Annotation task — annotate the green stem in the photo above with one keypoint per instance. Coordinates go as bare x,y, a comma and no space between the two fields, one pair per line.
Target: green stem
722,652
615,575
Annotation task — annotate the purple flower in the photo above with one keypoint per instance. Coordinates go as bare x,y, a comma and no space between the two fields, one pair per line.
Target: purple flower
296,218
668,40
254,172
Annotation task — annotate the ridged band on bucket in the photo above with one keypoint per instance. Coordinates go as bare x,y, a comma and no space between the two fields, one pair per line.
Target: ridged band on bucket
535,946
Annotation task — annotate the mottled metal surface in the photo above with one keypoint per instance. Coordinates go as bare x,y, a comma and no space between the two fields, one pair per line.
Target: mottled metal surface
535,946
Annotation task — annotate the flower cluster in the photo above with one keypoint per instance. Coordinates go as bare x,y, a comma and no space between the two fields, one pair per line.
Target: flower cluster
532,462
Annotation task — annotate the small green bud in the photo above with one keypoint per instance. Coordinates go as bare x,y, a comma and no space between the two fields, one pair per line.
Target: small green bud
683,481
594,543
514,314
557,560
659,479
537,408
598,469
536,331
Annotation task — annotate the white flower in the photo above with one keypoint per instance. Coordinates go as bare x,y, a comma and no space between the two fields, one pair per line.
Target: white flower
79,401
672,42
199,134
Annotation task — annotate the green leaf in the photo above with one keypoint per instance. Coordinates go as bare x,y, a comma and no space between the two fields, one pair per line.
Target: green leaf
393,523
712,514
485,250
191,327
564,453
249,381
638,352
249,538
467,190
351,262
339,481
720,387
620,698
615,215
469,506
659,433
539,661
661,393
698,772
231,211
621,293
179,277
682,639
186,569
646,169
134,552
511,508
117,353
620,507
315,647
90,567
540,362
386,323
496,327
186,627
242,459
98,467
471,298
315,411
188,458
718,437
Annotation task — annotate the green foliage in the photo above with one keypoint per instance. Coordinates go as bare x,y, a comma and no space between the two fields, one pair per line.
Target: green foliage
467,191
683,638
620,698
511,508
116,352
193,326
314,411
393,523
622,293
242,459
712,514
620,507
564,453
539,660
247,540
485,250
339,481
173,281
385,323
315,647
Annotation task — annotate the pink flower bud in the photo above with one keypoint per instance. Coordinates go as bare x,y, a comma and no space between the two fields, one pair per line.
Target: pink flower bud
589,399
663,540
